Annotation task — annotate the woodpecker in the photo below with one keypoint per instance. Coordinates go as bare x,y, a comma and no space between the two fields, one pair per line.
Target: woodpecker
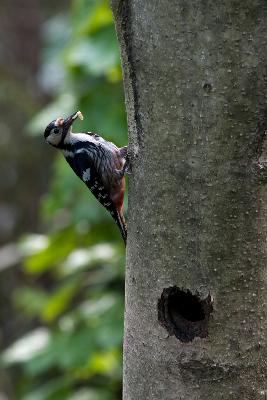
98,163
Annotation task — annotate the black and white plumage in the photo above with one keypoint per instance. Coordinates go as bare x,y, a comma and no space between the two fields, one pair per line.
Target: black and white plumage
98,163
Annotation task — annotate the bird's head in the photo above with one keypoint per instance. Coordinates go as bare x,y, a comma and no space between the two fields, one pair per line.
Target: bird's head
56,132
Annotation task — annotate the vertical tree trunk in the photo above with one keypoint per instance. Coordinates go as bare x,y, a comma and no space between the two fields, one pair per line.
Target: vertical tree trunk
195,76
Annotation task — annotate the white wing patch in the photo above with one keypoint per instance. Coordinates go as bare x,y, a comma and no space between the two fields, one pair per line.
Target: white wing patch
87,175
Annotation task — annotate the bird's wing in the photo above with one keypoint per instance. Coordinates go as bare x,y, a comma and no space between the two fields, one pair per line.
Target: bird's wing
83,165
92,134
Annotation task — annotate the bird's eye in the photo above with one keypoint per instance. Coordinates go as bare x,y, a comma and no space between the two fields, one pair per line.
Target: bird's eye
56,130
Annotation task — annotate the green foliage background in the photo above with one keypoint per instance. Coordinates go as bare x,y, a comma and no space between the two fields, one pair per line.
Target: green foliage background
73,298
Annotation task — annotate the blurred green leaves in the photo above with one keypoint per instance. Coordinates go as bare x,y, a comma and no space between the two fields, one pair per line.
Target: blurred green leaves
90,16
75,270
27,347
96,55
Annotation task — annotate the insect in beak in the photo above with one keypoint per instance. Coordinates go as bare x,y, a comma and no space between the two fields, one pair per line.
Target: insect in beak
69,120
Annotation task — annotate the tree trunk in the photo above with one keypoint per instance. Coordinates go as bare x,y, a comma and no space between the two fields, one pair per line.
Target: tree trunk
195,77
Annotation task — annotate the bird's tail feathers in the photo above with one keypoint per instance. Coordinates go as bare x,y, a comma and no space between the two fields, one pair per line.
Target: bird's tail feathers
120,221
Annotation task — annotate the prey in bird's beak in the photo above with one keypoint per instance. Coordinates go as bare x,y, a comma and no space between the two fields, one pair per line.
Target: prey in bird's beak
67,122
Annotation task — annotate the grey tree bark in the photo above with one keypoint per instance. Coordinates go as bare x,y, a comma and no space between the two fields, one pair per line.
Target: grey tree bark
195,75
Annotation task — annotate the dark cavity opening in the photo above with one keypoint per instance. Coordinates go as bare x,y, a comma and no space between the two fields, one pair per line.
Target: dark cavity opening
186,305
184,314
207,87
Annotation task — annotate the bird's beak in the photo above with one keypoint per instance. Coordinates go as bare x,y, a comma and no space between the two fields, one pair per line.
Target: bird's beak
69,120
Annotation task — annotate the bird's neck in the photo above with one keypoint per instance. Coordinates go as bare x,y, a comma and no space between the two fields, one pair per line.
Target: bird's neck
73,141
65,140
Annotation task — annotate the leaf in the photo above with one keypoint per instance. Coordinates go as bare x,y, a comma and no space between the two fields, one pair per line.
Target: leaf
97,55
60,244
30,300
106,318
84,258
54,389
96,308
31,244
91,15
27,347
65,351
105,362
59,301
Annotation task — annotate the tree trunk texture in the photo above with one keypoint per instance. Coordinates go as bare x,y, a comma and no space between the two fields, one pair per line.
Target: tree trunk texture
195,75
